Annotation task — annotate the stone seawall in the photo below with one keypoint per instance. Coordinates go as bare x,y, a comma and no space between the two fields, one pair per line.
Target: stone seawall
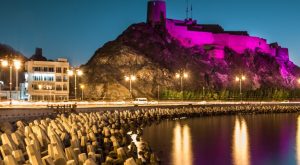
110,137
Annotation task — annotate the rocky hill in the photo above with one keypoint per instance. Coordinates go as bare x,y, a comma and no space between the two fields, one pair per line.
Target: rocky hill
154,57
6,51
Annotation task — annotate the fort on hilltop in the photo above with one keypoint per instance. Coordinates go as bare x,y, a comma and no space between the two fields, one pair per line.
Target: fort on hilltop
189,33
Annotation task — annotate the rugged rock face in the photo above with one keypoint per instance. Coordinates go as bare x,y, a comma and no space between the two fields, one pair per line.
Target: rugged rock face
154,57
6,50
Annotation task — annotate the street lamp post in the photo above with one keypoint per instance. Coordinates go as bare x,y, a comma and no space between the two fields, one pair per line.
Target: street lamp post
130,78
17,65
158,92
82,88
1,83
10,83
12,63
203,92
240,79
77,73
181,75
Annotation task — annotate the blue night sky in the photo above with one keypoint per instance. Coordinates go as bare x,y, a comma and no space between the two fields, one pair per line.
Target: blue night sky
76,28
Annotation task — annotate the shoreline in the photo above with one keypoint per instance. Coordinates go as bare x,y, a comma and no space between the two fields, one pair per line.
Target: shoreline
98,137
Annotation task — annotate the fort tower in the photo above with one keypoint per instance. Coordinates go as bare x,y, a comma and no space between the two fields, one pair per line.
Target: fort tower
156,12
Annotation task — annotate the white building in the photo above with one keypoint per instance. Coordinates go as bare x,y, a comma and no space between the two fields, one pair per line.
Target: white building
47,80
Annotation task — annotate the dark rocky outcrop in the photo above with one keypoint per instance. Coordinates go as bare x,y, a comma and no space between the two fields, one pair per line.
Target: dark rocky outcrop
7,51
154,57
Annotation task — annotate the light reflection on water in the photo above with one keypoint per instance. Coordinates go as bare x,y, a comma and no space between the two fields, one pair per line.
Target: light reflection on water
240,148
182,149
272,139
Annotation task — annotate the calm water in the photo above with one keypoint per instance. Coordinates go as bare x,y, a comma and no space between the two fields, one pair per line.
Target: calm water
249,139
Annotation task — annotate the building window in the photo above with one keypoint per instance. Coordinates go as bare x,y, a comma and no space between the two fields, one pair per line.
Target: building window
65,70
43,78
58,87
58,70
36,97
58,79
65,87
51,69
61,98
35,87
37,78
65,78
45,69
37,69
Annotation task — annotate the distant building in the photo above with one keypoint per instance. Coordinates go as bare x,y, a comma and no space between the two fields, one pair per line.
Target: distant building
47,80
38,55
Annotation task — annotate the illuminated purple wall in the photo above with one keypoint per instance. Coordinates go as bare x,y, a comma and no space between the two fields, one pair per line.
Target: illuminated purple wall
238,43
189,34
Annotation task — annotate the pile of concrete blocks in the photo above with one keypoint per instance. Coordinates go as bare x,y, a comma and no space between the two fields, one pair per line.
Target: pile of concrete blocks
83,139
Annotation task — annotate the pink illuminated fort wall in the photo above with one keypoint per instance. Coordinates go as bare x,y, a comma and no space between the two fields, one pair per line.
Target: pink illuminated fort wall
238,43
179,30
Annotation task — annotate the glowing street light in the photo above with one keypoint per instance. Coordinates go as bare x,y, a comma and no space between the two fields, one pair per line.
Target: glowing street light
181,75
12,63
4,63
17,65
240,79
130,78
79,72
75,72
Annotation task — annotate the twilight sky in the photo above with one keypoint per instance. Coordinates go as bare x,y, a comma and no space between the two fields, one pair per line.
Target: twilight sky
76,28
